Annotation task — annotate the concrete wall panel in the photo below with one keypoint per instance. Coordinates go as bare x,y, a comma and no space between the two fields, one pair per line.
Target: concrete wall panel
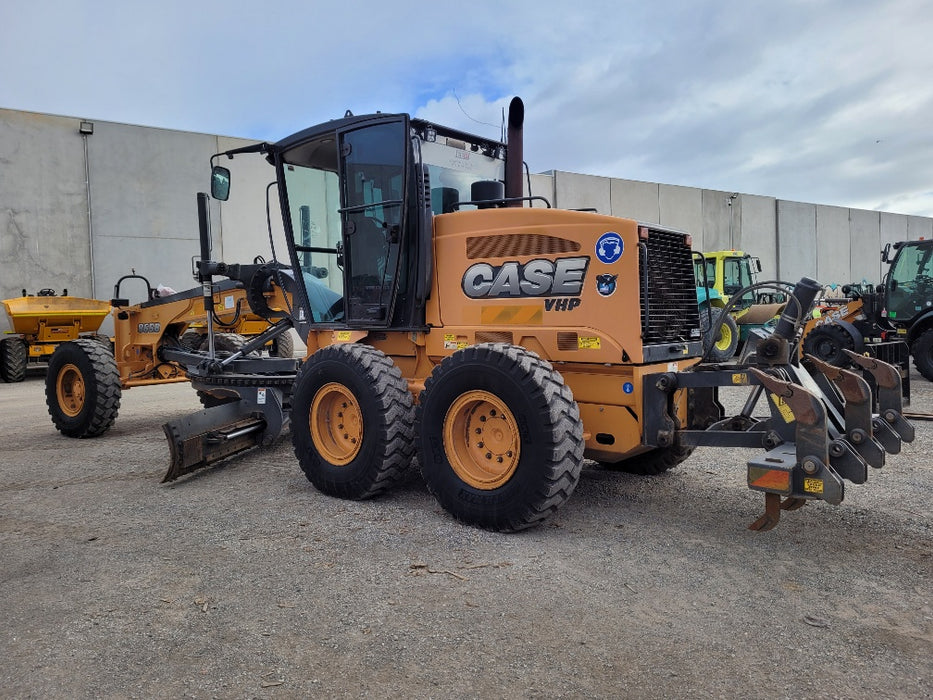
575,191
919,227
796,230
864,246
757,232
832,245
541,186
43,207
143,187
682,208
634,200
722,220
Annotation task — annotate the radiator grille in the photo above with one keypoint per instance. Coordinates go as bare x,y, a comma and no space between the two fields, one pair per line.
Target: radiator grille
517,245
669,311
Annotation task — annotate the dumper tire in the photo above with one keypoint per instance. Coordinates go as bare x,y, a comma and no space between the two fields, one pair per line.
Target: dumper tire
500,439
723,336
226,343
657,461
283,345
14,354
352,421
82,388
922,350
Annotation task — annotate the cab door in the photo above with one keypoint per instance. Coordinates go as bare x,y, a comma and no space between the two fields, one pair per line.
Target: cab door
374,167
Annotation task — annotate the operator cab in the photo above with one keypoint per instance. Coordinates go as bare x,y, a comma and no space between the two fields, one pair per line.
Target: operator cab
909,282
358,195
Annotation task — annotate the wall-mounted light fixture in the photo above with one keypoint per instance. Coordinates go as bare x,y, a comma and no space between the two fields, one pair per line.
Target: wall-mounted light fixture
86,128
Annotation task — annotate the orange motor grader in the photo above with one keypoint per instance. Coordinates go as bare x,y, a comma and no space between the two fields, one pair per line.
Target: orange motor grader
498,342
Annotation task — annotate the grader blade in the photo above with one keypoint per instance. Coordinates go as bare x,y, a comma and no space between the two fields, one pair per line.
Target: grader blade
209,436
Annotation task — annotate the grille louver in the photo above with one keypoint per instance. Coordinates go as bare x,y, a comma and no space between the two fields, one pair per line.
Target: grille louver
669,311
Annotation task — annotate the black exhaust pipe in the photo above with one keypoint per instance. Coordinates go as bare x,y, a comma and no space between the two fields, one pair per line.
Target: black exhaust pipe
514,157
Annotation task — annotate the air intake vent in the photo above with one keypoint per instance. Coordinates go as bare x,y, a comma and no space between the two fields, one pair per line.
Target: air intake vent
567,341
669,311
517,245
494,337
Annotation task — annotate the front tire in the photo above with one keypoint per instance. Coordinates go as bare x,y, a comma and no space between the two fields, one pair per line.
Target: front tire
82,388
500,437
352,421
922,350
13,357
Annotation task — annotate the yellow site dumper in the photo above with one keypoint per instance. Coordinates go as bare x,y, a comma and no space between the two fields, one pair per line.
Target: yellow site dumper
40,323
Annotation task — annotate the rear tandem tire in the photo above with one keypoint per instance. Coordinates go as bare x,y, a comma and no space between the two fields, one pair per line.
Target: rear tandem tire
82,388
13,357
922,350
651,463
352,421
500,438
283,345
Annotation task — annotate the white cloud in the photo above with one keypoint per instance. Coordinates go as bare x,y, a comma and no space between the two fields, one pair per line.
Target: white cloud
815,100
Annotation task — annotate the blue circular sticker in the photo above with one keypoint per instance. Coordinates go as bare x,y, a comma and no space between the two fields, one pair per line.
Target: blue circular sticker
609,247
628,387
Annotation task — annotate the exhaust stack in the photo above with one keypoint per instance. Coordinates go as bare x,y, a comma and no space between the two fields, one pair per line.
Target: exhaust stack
514,157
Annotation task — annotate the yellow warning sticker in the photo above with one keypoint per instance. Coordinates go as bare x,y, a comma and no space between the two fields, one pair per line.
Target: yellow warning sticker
813,485
740,378
786,413
588,342
343,336
449,337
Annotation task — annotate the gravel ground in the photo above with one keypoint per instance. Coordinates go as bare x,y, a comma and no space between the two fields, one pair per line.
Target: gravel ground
243,581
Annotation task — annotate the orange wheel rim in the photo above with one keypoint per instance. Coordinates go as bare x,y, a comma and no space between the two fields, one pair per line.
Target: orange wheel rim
70,390
481,440
336,424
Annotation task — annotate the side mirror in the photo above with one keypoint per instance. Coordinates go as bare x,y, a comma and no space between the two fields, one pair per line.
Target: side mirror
220,183
756,264
886,252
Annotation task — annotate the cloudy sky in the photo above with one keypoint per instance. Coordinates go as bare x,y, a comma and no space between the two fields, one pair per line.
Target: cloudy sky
827,101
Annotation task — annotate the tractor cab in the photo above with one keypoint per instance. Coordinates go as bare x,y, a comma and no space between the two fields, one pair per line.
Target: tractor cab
358,195
908,286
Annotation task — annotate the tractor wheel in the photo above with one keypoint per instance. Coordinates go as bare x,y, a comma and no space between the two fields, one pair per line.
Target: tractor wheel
352,421
500,437
13,357
922,350
827,343
283,346
724,336
82,388
651,463
227,343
